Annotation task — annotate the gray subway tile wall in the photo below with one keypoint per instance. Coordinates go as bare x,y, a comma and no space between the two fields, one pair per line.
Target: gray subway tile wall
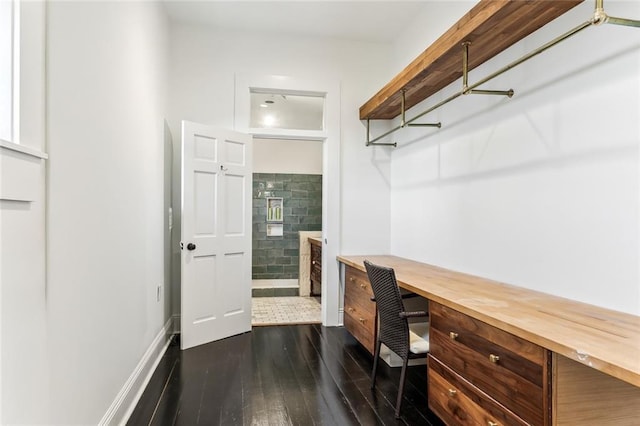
277,257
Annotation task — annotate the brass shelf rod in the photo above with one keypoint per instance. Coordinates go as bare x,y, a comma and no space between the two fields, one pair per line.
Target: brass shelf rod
488,78
509,66
438,125
598,18
533,53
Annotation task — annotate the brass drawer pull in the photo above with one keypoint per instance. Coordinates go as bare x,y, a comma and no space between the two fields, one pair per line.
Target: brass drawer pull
350,309
362,320
452,392
362,285
490,423
494,358
351,279
453,335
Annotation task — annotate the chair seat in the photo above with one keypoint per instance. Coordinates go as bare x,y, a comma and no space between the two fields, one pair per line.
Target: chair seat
419,338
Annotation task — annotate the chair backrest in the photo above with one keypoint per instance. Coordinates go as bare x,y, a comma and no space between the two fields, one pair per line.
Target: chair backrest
394,330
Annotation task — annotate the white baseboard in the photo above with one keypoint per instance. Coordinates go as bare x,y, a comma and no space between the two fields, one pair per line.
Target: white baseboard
126,400
176,324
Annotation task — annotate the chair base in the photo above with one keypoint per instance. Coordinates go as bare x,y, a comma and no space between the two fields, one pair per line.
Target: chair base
403,373
394,361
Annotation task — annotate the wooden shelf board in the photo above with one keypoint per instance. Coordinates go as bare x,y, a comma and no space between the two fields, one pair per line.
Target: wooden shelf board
491,26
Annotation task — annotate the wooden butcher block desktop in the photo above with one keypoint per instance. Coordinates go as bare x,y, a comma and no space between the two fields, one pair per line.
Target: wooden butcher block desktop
502,354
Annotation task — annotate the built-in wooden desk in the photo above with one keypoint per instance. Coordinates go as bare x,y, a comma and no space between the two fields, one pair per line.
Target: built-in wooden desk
595,363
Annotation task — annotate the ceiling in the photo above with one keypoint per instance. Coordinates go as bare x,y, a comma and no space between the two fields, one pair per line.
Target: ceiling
372,21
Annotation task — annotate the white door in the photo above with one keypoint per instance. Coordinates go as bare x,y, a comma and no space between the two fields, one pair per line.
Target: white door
216,234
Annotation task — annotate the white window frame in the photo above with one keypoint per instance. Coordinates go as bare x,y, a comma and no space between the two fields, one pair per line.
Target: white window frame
14,74
245,84
26,128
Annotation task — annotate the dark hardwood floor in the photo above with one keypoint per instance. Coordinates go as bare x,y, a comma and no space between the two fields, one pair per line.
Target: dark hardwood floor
281,375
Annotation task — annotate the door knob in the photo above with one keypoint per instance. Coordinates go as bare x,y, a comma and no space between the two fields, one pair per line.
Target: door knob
191,246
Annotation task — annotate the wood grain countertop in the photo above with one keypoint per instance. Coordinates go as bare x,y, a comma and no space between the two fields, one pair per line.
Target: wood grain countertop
315,241
606,340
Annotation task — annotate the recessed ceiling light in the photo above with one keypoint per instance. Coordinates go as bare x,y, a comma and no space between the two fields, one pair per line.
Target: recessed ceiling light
268,120
264,105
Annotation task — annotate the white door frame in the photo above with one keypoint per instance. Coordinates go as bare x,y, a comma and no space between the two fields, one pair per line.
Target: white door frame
330,137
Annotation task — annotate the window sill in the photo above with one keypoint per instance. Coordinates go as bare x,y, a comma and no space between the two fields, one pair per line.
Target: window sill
23,149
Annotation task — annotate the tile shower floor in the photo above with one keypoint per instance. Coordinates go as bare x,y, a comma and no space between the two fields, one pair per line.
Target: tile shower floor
285,310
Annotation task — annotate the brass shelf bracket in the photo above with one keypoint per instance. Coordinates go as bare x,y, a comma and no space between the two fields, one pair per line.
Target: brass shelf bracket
465,77
403,123
601,17
374,143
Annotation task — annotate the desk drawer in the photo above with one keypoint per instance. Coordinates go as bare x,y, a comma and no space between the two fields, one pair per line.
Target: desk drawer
359,310
363,329
364,311
357,282
457,402
316,270
513,371
316,274
316,255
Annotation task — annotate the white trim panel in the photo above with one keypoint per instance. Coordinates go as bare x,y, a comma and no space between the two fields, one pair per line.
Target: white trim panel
23,149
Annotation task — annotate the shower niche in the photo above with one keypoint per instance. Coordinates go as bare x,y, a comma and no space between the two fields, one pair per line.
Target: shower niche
275,214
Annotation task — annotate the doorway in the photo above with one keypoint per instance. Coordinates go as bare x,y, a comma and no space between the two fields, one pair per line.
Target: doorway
287,210
259,93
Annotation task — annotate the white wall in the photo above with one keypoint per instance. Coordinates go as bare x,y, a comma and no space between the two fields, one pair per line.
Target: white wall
427,26
204,63
107,77
541,190
287,156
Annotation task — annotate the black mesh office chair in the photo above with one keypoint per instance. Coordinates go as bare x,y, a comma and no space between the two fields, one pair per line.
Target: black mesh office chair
393,324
